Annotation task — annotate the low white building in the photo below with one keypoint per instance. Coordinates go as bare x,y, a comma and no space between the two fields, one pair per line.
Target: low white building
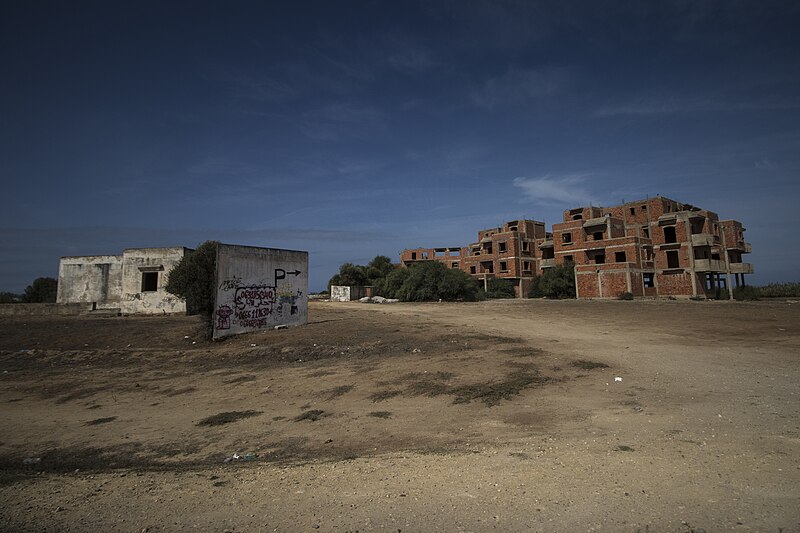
132,282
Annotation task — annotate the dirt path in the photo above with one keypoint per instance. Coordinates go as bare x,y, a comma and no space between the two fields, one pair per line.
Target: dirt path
457,417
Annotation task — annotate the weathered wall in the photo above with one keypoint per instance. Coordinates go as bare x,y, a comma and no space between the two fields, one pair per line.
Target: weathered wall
94,279
44,309
259,288
340,293
137,261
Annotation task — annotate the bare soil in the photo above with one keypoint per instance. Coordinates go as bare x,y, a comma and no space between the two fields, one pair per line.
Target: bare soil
505,415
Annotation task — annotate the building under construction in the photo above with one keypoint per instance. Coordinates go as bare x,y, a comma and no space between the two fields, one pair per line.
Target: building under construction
648,248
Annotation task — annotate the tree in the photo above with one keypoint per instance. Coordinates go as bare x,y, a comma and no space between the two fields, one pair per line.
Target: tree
557,283
500,288
431,281
9,298
374,274
193,279
42,290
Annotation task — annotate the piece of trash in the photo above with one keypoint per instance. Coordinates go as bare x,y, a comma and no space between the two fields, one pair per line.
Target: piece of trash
194,342
281,326
617,378
252,345
416,350
249,456
31,460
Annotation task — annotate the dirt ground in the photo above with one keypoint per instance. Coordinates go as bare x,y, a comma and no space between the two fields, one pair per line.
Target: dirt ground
492,416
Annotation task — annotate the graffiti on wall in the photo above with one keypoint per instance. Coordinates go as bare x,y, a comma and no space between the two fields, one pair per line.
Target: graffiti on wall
256,306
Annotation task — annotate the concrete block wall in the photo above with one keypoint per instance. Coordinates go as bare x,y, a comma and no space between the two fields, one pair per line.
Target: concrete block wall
138,262
95,280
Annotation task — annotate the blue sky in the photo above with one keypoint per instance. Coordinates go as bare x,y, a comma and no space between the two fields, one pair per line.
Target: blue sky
351,129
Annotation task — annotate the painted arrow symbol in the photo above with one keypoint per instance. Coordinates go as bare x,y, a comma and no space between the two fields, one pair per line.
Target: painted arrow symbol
281,274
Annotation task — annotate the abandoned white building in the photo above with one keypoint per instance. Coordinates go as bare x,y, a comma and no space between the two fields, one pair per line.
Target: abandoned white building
132,282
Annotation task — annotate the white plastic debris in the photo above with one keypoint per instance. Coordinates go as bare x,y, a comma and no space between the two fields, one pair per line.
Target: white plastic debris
617,378
281,326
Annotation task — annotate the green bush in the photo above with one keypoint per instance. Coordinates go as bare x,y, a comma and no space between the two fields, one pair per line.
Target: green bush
497,288
628,296
431,280
557,283
746,293
42,290
193,279
374,274
9,298
780,290
393,282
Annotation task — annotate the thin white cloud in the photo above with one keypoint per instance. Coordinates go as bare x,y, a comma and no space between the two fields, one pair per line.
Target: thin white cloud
656,106
520,86
569,190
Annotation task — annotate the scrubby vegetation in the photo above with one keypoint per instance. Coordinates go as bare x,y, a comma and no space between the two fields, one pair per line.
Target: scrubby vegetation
430,281
193,279
373,274
498,288
778,290
557,283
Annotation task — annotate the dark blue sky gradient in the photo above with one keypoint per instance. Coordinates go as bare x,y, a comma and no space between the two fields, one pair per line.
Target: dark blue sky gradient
350,129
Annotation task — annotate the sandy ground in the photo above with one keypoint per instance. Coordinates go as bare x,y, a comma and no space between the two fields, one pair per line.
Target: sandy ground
494,416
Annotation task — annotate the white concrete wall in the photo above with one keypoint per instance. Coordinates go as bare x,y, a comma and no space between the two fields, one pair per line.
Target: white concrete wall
340,293
92,279
259,288
135,261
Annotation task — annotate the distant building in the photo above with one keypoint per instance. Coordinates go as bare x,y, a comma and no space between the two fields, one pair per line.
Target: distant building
653,247
344,293
132,282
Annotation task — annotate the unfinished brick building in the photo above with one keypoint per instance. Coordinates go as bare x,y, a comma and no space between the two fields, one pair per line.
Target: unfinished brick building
649,248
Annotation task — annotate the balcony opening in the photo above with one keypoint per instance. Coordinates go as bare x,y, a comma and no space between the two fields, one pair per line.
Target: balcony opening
697,227
599,259
649,280
715,257
619,257
487,267
149,281
673,260
669,234
597,235
548,253
701,253
577,217
488,248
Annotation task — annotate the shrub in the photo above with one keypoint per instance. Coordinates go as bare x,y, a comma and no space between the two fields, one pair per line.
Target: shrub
779,290
42,290
9,298
557,282
193,279
431,281
374,274
746,293
628,296
499,288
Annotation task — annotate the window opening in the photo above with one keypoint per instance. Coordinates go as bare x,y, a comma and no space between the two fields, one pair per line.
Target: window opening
568,259
501,246
413,255
149,281
599,259
472,270
672,260
633,211
645,232
649,280
597,235
619,257
503,266
566,237
669,234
